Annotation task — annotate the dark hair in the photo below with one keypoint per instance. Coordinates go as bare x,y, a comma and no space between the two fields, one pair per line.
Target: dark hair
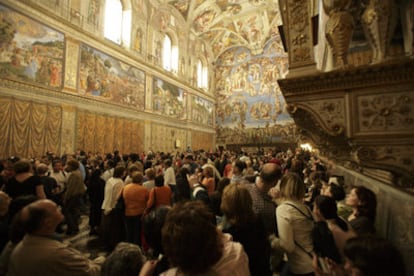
270,173
119,172
327,208
34,219
22,166
337,191
126,260
191,221
368,202
223,182
159,180
241,165
374,256
73,164
152,225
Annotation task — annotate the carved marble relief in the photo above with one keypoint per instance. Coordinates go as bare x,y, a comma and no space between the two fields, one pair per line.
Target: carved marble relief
330,112
379,20
386,112
299,33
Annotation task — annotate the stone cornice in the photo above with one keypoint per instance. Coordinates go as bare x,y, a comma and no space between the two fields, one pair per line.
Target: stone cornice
359,77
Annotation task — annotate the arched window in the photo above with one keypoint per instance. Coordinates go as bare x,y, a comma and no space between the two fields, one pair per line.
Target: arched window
169,55
117,23
202,75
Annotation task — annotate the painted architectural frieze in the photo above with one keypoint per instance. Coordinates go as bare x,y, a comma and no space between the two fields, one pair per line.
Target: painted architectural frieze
169,100
103,77
29,51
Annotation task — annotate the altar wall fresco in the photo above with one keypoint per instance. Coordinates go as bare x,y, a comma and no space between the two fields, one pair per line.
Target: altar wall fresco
29,50
250,106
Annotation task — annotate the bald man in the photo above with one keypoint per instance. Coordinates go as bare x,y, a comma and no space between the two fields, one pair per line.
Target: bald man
40,252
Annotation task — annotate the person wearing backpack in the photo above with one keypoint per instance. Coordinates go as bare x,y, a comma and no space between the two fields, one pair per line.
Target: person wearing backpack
295,223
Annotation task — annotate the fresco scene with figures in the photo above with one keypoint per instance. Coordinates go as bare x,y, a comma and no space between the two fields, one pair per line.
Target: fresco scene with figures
202,111
169,100
250,105
29,51
106,78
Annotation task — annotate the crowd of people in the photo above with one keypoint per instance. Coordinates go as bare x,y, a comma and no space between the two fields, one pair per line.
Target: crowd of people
189,213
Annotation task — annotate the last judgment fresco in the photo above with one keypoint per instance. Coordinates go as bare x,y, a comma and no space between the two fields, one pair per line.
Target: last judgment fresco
250,105
29,51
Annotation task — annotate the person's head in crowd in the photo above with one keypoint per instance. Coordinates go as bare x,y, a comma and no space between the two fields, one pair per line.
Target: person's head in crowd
222,183
270,174
4,203
336,191
109,164
41,217
292,187
18,203
372,256
119,172
167,163
126,260
237,204
190,239
72,165
363,201
57,165
132,169
152,225
150,173
238,167
22,166
208,171
325,208
137,178
42,169
159,180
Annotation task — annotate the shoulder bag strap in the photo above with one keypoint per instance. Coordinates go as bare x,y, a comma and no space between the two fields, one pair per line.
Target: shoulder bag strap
310,217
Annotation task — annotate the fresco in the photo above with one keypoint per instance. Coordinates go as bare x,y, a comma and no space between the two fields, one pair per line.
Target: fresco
202,111
169,100
106,78
250,105
29,51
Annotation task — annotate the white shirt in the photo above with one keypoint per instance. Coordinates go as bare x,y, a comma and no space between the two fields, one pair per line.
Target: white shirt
112,189
293,227
169,177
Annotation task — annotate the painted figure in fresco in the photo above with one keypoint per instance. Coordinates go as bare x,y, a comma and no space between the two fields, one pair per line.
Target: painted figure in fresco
54,74
31,68
138,40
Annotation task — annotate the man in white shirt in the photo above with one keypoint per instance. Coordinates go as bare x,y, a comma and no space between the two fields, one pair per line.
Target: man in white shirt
169,176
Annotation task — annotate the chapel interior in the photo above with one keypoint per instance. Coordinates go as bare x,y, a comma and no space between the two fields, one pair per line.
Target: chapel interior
336,76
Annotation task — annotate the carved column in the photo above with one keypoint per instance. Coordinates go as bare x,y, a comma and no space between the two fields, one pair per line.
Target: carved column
297,27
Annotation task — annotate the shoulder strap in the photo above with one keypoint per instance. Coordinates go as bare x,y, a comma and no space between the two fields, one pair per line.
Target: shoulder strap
309,217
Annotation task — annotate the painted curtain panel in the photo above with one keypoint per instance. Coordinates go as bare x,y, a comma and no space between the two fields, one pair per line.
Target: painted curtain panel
250,105
101,133
202,111
169,100
103,77
29,50
23,121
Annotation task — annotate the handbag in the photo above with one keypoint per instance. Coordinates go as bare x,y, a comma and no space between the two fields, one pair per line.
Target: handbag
119,207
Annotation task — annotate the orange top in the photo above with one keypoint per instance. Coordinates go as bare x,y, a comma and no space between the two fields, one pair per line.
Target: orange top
135,197
163,196
210,184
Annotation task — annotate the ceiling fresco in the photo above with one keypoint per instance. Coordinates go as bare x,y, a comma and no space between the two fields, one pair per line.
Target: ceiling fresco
225,24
